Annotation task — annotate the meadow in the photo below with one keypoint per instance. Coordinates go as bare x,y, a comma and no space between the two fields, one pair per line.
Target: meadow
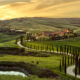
8,77
54,45
51,62
39,24
8,40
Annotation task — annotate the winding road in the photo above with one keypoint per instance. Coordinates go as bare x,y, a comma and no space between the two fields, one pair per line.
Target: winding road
70,69
19,44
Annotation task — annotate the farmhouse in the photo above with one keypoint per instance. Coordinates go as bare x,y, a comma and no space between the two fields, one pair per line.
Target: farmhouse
47,33
56,33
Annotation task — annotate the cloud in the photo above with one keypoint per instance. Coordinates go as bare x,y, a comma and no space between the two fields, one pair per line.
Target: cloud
4,2
41,8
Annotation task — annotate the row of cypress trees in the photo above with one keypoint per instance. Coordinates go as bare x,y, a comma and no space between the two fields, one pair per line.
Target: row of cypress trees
68,60
59,48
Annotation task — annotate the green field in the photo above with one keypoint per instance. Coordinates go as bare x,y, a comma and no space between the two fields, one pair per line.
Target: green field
51,62
42,24
52,45
8,40
8,77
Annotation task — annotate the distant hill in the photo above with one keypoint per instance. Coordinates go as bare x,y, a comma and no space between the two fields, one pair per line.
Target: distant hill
38,24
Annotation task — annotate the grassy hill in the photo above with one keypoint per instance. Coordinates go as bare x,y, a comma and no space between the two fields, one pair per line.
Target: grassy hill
8,40
42,24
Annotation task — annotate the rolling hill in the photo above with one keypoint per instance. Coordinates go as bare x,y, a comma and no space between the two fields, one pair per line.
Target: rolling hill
38,24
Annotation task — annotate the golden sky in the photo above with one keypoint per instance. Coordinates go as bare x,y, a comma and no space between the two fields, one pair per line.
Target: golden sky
39,8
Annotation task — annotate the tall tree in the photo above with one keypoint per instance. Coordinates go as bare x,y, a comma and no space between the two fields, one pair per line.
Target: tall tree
65,65
68,60
63,59
21,39
60,66
16,40
79,66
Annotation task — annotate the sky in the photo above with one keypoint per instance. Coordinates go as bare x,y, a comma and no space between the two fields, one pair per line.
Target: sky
10,9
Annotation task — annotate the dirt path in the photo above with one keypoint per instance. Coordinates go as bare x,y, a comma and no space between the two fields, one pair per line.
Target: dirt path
19,44
70,71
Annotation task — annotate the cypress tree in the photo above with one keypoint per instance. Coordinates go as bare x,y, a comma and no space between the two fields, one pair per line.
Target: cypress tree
65,65
60,66
53,48
70,50
47,47
76,65
60,49
21,39
68,60
57,49
75,70
71,59
16,40
67,50
79,66
63,61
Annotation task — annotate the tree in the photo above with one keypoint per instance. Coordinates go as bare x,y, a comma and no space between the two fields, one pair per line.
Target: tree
71,59
57,49
63,61
67,49
21,39
60,49
60,66
65,65
16,40
52,48
79,66
70,50
68,60
76,65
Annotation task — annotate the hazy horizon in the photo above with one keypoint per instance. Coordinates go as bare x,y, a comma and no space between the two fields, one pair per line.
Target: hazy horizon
10,9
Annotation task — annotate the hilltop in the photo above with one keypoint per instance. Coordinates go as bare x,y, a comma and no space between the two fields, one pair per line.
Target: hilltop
38,24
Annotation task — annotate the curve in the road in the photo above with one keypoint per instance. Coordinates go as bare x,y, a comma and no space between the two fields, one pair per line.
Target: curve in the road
70,71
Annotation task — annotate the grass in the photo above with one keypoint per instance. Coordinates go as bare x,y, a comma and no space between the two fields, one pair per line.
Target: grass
8,40
52,45
42,24
8,77
5,37
51,63
72,42
9,44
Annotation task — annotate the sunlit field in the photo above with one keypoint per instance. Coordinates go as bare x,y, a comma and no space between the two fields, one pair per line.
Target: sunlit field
51,63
